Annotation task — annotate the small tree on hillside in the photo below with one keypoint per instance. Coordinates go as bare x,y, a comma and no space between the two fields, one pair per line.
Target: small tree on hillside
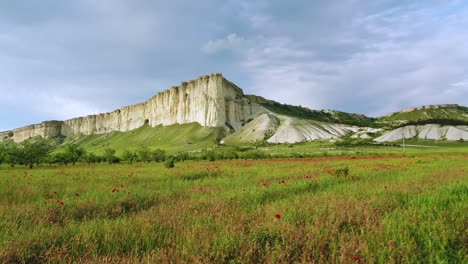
73,153
61,157
109,155
158,155
144,153
11,155
2,154
90,157
31,153
169,162
129,156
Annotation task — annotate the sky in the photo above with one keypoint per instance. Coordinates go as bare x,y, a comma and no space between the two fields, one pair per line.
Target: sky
64,59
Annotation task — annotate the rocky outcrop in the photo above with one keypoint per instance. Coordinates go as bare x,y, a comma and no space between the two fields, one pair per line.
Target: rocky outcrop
209,100
47,129
433,131
274,128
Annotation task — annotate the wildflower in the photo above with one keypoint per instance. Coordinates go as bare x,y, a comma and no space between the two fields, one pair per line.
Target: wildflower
278,216
356,258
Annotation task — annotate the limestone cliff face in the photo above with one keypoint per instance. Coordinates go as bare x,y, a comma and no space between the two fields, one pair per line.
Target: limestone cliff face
209,100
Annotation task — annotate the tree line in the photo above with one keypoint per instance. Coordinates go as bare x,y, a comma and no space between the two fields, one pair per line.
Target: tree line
30,153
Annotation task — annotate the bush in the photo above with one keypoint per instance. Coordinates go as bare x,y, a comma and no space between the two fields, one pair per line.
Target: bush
144,154
158,155
129,156
109,156
169,163
343,172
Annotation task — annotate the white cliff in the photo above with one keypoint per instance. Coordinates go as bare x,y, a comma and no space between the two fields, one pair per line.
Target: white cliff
209,100
431,131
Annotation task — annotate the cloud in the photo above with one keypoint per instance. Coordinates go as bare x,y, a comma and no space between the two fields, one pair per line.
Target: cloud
231,41
463,83
390,66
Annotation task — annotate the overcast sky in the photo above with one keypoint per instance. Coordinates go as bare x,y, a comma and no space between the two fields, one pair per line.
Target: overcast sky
63,59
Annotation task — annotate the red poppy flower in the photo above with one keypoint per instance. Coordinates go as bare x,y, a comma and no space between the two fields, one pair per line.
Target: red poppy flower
278,216
356,259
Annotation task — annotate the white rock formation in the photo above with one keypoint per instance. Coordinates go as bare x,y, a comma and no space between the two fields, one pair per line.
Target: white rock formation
260,128
431,131
294,130
209,100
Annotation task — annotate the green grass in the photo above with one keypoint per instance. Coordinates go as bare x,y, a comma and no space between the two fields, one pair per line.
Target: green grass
173,138
394,209
458,114
326,148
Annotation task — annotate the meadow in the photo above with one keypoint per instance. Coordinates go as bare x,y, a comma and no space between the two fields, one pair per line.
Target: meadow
354,209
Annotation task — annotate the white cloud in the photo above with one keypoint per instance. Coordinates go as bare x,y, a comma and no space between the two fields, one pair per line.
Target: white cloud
396,70
463,83
230,42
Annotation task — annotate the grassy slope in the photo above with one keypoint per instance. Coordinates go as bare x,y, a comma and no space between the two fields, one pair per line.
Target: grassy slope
224,212
173,138
306,113
459,113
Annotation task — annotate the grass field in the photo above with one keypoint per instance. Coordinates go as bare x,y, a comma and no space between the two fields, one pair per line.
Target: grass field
366,209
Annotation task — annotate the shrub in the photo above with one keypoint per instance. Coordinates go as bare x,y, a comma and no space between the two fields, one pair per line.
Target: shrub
158,155
109,155
343,172
129,156
169,163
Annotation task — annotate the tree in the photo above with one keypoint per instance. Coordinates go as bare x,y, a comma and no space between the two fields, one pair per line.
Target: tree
73,153
109,155
2,154
12,154
90,158
31,153
158,155
183,156
129,156
169,163
60,158
144,153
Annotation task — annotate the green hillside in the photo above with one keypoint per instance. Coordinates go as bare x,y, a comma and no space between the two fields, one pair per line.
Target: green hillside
173,138
331,116
451,115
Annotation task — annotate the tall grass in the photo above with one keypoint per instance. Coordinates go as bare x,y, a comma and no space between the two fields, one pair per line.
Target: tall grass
340,210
